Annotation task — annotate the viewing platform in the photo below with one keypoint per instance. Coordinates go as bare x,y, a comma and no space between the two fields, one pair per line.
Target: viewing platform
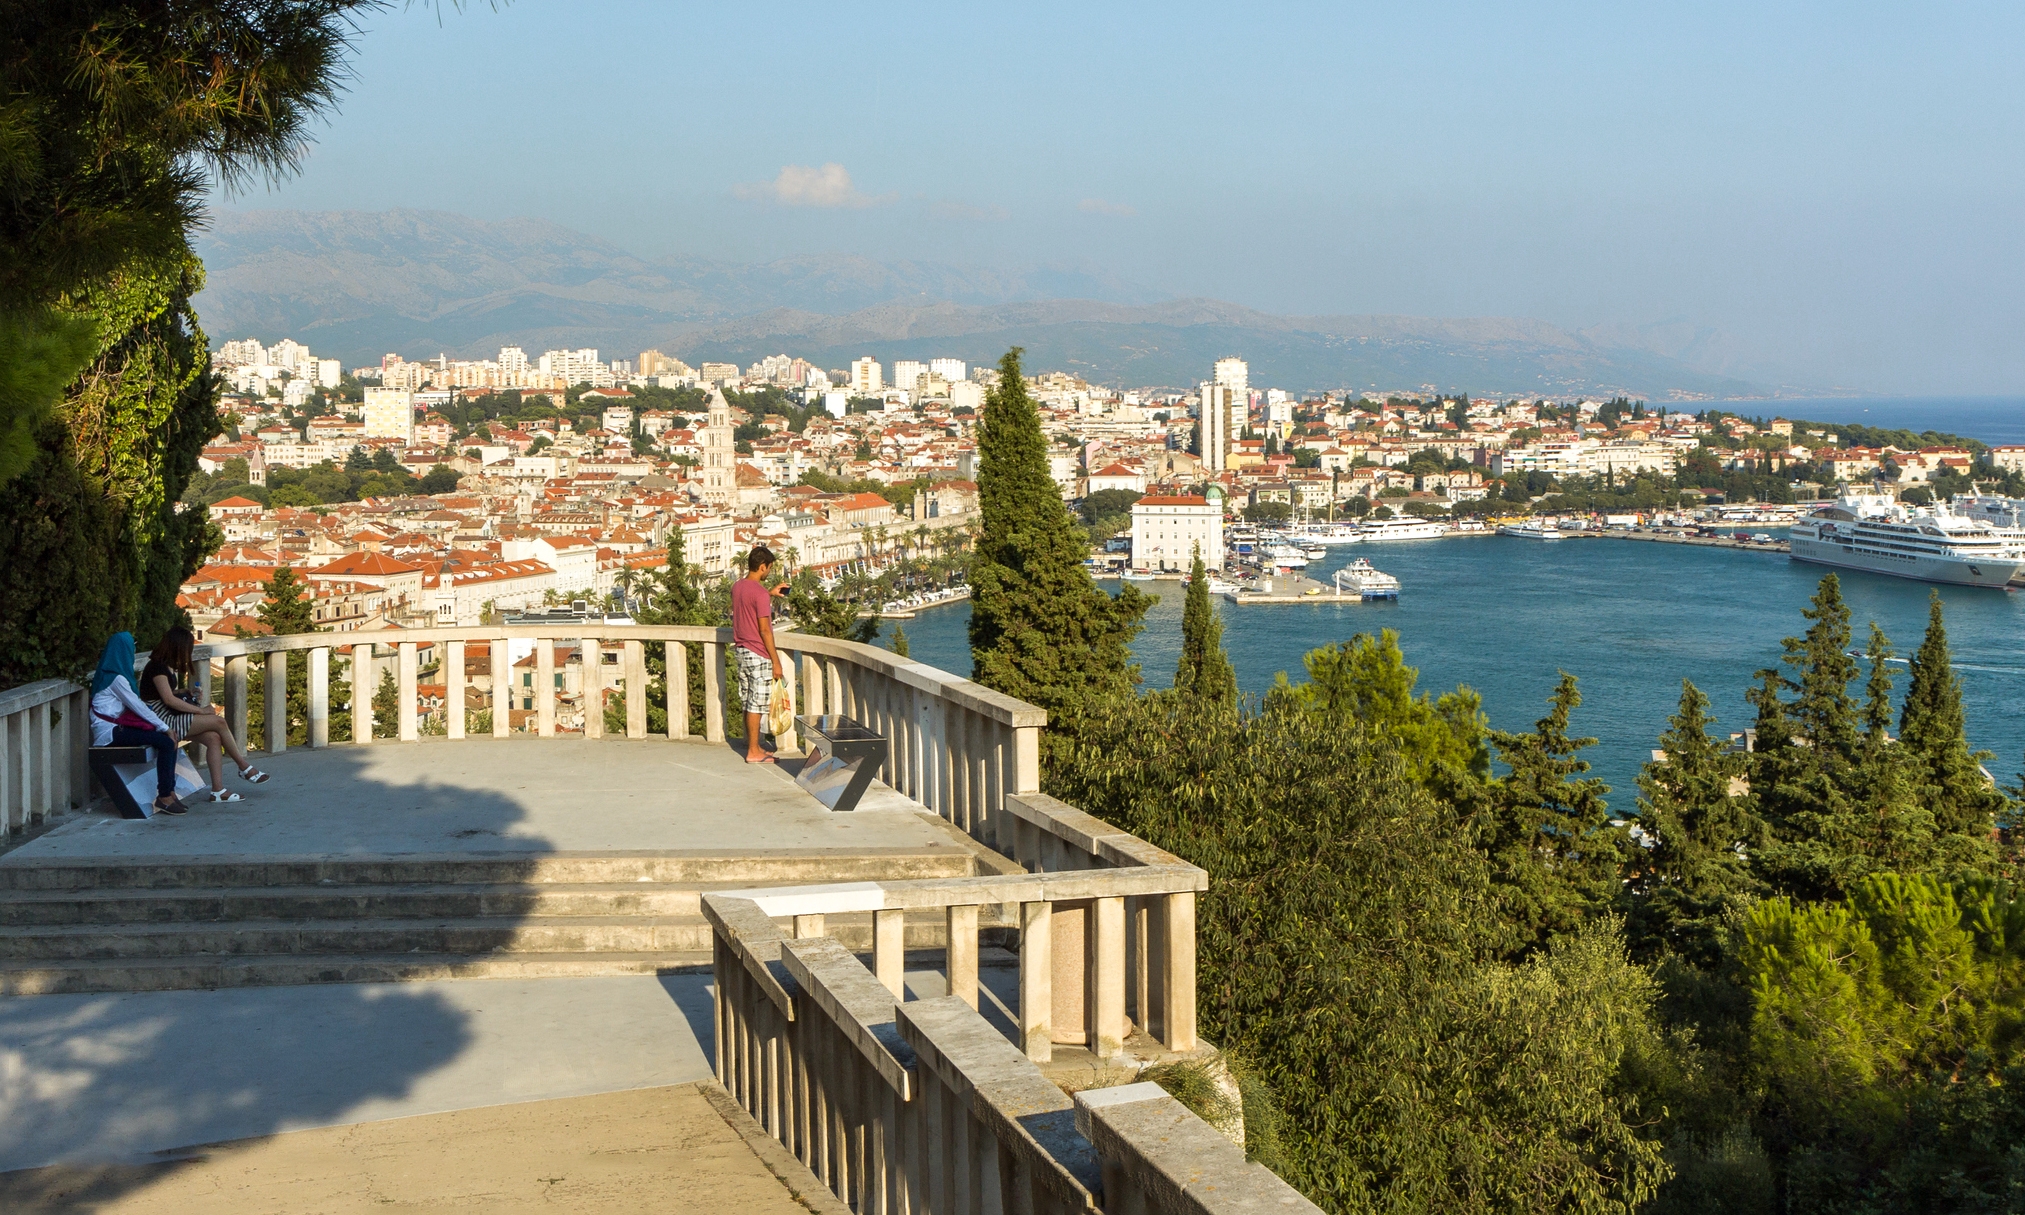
887,1009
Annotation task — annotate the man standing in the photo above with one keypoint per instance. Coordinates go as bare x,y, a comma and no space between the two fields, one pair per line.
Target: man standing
752,641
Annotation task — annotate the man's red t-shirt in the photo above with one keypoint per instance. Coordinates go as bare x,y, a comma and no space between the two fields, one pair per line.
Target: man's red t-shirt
750,604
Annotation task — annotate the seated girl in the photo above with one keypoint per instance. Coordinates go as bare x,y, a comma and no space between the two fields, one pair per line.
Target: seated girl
167,683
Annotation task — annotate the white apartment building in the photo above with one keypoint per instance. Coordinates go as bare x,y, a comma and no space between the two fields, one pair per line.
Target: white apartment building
951,370
1168,529
966,393
1221,412
575,367
867,378
390,414
907,374
1234,374
1586,458
512,362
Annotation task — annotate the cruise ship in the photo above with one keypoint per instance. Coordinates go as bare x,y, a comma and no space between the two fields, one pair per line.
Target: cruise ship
1878,535
1402,529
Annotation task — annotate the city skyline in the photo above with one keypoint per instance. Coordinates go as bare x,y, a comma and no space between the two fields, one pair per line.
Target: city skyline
1779,176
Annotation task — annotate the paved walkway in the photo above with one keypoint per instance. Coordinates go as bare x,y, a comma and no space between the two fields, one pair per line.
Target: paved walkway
677,1149
505,795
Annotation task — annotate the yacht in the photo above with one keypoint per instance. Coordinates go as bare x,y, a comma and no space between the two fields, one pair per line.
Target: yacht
1328,533
1360,579
1531,531
1874,533
1287,556
1402,529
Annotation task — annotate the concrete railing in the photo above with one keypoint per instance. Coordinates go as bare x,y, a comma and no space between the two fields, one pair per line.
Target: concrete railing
44,737
924,1106
957,747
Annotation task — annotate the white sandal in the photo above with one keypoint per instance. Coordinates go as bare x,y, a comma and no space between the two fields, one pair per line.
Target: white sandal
252,775
222,795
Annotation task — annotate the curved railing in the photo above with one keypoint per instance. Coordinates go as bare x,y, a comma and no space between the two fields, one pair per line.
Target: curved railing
958,748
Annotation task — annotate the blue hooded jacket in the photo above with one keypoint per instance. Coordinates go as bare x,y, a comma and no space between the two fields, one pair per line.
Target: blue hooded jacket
118,659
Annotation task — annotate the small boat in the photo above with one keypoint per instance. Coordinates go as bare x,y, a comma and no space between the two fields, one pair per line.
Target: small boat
1220,586
1359,579
1135,575
1287,556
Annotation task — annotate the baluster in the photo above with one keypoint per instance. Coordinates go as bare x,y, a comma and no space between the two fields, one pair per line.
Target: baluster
960,954
407,676
889,950
1036,980
544,687
453,690
1177,956
812,699
677,674
235,695
276,701
502,686
1026,760
713,691
204,681
319,697
636,689
807,926
80,747
9,729
1106,978
364,663
35,764
591,658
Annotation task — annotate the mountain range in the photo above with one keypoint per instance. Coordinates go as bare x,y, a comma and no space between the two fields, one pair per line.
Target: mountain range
360,284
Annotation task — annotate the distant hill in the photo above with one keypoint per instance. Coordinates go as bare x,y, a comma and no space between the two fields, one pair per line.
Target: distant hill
359,284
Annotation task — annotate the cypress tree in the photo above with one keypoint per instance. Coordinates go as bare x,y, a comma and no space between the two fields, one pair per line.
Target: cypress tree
900,641
1702,830
1204,670
1040,629
286,610
1932,730
1822,711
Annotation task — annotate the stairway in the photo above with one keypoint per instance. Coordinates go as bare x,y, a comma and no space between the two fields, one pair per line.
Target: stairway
169,924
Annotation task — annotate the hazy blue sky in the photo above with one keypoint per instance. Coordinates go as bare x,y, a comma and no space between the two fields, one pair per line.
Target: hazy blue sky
1835,186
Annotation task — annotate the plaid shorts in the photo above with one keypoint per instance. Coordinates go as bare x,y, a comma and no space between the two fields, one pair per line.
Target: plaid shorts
755,680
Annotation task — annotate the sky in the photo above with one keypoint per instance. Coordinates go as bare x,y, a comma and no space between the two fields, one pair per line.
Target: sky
1834,190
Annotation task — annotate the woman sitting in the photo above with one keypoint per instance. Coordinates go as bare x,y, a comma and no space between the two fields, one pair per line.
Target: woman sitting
121,719
166,684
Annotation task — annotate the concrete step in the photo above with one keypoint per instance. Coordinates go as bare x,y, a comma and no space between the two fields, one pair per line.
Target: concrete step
443,900
202,974
756,868
476,935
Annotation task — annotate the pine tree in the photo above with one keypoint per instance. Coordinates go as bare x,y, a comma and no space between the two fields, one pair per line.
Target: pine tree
1823,712
1701,829
286,611
1204,670
900,641
1040,629
1548,829
1932,728
387,704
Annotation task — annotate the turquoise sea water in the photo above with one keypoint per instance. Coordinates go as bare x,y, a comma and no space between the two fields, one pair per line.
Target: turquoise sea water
1994,420
1630,619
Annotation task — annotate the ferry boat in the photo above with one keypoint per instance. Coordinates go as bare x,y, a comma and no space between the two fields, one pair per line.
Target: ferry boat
1878,535
1531,531
1402,529
1327,533
1360,579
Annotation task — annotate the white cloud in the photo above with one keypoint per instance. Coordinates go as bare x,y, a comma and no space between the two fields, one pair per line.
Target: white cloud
1097,206
803,186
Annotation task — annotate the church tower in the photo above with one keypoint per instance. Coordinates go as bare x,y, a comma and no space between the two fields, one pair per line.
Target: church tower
720,469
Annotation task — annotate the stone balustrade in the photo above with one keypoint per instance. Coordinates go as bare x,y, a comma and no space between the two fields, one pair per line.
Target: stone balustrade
44,735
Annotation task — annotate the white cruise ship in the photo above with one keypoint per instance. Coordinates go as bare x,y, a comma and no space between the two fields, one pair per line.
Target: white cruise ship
1876,534
1402,529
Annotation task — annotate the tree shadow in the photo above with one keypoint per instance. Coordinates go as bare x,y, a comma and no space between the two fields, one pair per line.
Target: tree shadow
110,1086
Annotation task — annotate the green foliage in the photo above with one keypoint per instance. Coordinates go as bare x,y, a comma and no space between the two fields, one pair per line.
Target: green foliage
1040,629
1204,670
41,351
1351,944
387,705
1932,727
1366,681
1694,873
286,610
819,613
899,642
1268,512
1546,827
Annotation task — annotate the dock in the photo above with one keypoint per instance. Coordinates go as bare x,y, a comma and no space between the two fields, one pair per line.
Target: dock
1754,546
1289,588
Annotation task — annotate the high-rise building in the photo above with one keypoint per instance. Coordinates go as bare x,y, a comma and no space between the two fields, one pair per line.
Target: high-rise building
1234,374
512,361
949,369
328,373
576,367
1220,412
907,374
720,470
868,379
390,414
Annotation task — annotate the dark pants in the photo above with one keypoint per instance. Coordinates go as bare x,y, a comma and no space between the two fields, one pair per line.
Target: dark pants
165,754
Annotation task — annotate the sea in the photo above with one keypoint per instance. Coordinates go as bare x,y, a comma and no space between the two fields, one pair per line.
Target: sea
1630,620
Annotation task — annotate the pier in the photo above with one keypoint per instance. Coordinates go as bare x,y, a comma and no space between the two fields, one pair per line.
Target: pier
1754,546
